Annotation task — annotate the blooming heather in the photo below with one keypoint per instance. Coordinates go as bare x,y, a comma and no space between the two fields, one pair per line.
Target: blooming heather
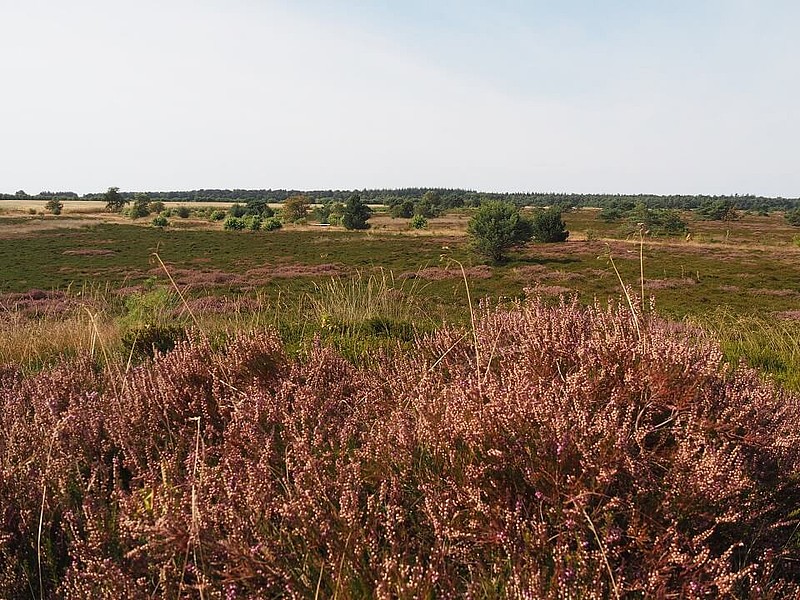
554,452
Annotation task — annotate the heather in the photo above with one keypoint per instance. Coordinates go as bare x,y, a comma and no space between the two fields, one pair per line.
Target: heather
548,451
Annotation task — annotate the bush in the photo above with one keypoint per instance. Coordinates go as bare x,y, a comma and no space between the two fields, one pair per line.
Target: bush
403,209
217,215
271,224
718,210
237,210
157,207
140,208
295,209
549,227
793,217
160,221
656,222
234,224
54,206
253,222
496,227
183,212
259,207
356,213
418,222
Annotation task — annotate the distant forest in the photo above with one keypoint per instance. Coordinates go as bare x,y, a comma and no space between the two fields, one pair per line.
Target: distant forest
449,198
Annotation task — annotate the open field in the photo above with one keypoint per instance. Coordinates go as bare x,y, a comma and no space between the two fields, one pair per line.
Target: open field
748,266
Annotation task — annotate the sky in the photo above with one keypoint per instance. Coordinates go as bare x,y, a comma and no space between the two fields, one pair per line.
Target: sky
583,96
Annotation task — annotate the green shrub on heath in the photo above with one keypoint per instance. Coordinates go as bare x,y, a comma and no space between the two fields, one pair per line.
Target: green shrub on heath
418,222
271,224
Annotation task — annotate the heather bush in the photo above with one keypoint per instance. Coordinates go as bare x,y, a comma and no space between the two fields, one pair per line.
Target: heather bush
551,452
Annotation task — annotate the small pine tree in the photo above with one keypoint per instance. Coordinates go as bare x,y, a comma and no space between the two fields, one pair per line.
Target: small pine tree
356,213
549,227
418,222
497,227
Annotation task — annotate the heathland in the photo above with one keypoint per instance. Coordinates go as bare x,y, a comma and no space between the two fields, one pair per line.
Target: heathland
202,407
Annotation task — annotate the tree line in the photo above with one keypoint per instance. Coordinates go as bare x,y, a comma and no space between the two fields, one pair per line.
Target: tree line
447,198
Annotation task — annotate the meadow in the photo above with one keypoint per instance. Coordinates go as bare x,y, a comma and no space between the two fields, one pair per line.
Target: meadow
312,412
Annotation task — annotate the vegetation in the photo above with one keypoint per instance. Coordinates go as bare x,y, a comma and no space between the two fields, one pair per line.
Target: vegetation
356,213
549,449
54,206
496,227
140,207
718,210
271,224
418,222
115,201
397,437
549,227
234,223
295,209
793,217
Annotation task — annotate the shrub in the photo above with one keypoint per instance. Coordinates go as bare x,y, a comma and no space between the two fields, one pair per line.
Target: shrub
183,212
793,217
234,224
271,224
418,222
54,206
718,210
253,222
295,209
160,221
549,227
402,208
656,222
356,213
157,207
237,210
141,207
259,207
496,227
217,215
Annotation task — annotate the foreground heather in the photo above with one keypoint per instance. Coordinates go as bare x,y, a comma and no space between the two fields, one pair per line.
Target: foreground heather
555,453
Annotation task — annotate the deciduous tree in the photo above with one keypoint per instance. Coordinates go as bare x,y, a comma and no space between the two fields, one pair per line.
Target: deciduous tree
115,201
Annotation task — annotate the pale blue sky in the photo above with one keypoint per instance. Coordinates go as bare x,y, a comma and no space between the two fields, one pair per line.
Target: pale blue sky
575,96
